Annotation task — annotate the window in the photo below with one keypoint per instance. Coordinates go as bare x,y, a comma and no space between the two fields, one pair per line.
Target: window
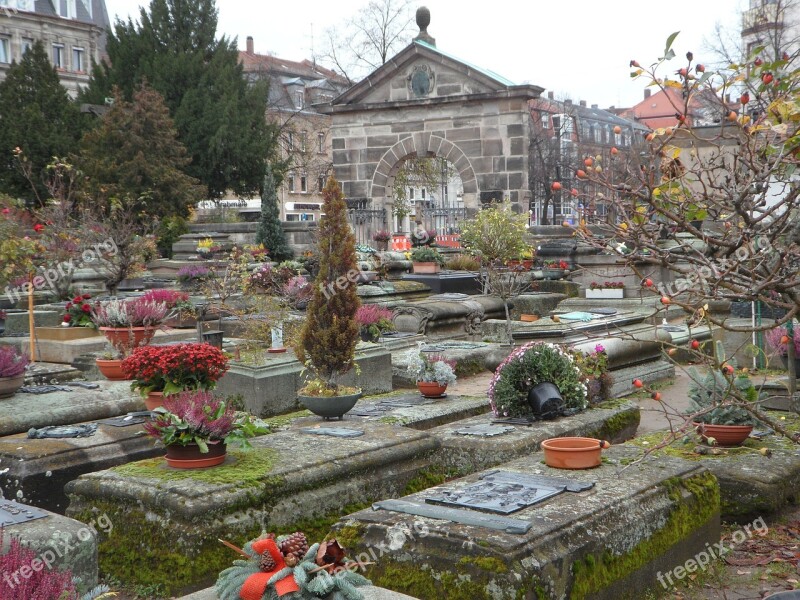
411,194
321,142
303,183
5,56
290,141
77,60
290,183
545,120
299,98
303,140
321,182
27,44
58,56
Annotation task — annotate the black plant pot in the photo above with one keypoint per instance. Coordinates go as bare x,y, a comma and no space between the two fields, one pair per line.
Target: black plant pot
545,401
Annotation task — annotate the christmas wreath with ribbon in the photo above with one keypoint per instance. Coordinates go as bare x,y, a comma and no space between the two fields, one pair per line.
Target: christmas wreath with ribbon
286,568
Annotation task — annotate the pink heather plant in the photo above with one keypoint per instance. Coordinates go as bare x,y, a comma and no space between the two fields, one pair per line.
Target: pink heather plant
370,314
163,296
774,336
44,584
12,363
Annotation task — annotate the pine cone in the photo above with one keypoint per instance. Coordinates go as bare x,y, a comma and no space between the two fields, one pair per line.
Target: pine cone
267,563
295,544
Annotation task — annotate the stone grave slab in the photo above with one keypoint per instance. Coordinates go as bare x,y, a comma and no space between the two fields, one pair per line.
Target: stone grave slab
614,421
58,542
23,411
36,470
599,543
288,481
751,485
410,409
270,388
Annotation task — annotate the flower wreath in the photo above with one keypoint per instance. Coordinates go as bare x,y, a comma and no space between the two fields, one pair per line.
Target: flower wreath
530,365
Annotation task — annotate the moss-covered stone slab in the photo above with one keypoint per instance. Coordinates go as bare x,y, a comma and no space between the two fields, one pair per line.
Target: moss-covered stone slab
167,521
37,470
605,543
614,421
751,483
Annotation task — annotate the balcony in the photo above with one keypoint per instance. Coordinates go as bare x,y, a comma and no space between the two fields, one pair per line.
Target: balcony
760,18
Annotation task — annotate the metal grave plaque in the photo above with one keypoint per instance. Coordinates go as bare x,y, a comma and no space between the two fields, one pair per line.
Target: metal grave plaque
603,311
341,432
12,513
456,515
484,430
132,418
505,492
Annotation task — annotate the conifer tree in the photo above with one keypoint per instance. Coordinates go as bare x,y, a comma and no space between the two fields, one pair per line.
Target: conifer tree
328,340
38,117
270,232
134,154
219,118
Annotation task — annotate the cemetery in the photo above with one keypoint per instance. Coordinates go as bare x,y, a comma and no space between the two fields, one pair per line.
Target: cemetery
323,409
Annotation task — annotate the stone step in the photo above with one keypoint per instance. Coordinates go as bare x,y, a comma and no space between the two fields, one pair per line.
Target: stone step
289,480
634,525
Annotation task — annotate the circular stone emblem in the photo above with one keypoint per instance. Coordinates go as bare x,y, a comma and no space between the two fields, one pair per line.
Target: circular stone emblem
421,80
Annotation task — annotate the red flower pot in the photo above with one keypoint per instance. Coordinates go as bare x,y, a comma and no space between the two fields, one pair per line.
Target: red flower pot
431,389
111,369
726,435
190,457
128,338
154,400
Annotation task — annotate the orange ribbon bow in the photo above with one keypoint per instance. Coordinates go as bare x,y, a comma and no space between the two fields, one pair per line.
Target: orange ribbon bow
255,585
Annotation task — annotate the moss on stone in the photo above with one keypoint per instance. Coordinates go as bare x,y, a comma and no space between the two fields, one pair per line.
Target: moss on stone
470,366
486,563
615,424
427,478
593,573
247,468
349,536
424,583
319,529
283,421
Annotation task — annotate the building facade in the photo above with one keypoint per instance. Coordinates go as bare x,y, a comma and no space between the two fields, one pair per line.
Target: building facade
295,90
72,32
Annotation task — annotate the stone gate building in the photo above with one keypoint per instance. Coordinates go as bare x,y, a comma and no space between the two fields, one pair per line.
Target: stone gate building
427,103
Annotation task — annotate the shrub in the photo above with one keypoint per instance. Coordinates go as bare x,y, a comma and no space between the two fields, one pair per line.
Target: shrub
426,254
463,262
528,366
381,236
192,273
496,233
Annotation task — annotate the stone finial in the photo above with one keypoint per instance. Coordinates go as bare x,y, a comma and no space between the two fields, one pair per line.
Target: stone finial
423,20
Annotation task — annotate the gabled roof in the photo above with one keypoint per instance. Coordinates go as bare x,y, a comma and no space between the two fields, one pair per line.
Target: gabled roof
252,62
418,50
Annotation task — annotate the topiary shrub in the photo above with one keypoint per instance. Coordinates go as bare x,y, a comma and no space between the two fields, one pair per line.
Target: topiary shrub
530,365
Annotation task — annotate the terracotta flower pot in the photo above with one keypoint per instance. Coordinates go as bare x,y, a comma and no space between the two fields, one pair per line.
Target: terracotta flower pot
528,318
154,400
726,435
426,267
431,389
190,457
573,452
10,385
128,337
111,369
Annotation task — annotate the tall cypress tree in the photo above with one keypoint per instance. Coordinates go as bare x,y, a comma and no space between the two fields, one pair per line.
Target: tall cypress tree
330,334
270,232
37,116
220,119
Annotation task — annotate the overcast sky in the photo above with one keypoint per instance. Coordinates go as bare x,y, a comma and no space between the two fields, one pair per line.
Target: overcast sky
580,49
